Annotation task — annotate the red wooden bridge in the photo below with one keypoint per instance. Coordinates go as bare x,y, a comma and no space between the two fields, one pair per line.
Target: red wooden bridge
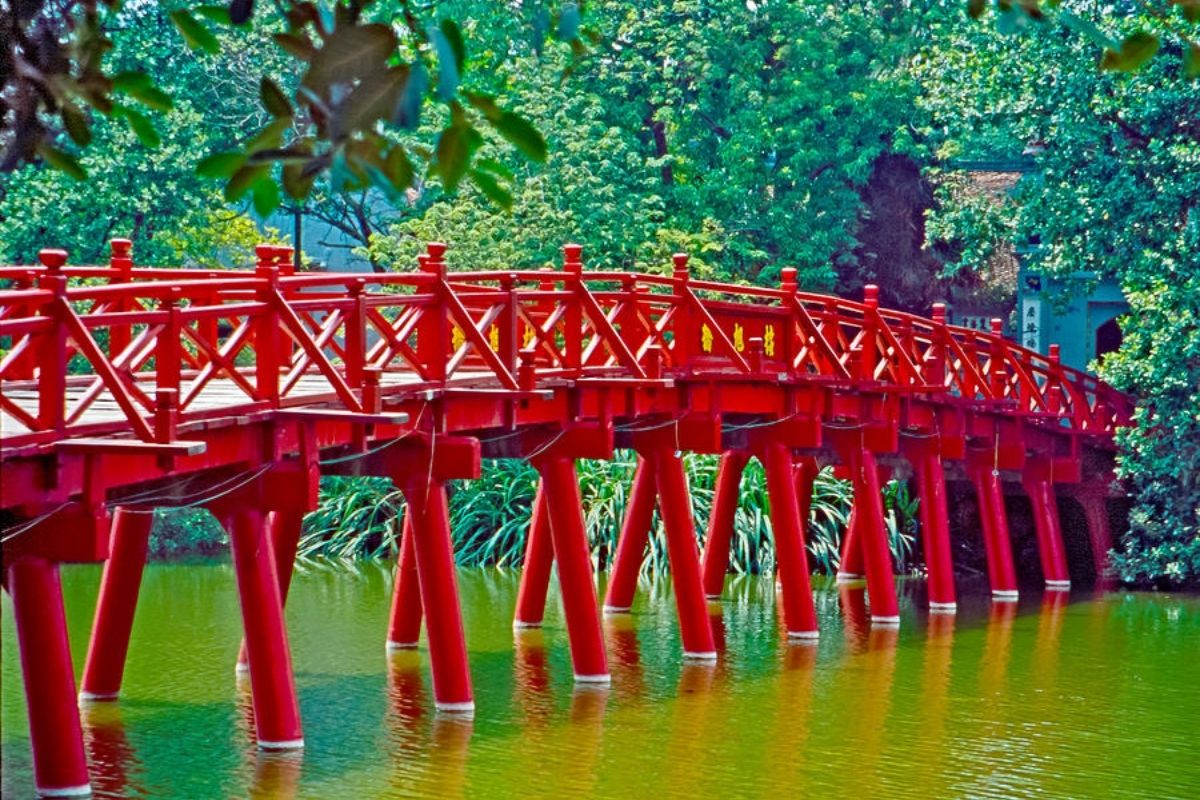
126,389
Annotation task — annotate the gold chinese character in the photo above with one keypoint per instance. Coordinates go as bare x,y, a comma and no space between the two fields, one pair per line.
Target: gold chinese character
457,337
769,341
739,338
494,337
706,338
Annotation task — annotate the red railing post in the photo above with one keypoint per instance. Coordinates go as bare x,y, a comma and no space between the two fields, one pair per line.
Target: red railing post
935,356
1053,386
507,324
573,318
267,355
355,342
168,352
52,367
868,356
631,542
720,521
121,263
998,375
433,331
683,327
789,344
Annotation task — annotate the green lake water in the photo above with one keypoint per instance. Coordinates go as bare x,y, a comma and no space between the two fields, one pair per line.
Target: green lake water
1098,697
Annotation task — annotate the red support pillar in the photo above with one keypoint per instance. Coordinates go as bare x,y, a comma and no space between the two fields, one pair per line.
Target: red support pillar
276,710
1095,509
574,569
631,544
404,621
935,527
1002,573
115,606
675,505
721,521
55,733
284,530
539,561
1051,550
439,595
800,617
850,564
877,557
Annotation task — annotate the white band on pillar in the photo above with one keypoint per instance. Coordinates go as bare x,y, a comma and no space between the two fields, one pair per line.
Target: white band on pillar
1005,595
885,621
1058,584
520,625
289,744
401,646
943,608
603,678
709,656
97,697
616,609
84,790
807,636
456,708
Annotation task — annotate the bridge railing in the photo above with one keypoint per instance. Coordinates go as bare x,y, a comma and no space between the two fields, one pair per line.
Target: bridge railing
149,348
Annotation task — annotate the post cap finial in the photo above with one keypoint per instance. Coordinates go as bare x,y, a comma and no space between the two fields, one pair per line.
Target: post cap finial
572,255
52,259
121,248
1055,352
787,276
997,326
871,295
265,253
436,250
680,260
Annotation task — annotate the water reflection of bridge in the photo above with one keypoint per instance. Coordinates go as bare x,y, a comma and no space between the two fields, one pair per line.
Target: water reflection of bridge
126,389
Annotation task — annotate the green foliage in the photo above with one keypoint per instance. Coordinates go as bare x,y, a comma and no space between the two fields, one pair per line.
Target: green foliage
489,517
739,132
1114,194
186,532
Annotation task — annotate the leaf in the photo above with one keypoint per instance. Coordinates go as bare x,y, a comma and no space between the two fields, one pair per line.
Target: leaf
141,126
453,154
373,99
62,161
152,97
133,79
220,165
266,196
491,188
273,99
296,45
269,136
241,181
485,103
76,125
194,33
217,14
975,8
454,37
447,65
1191,61
1136,50
398,168
408,109
524,136
492,165
297,181
350,52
